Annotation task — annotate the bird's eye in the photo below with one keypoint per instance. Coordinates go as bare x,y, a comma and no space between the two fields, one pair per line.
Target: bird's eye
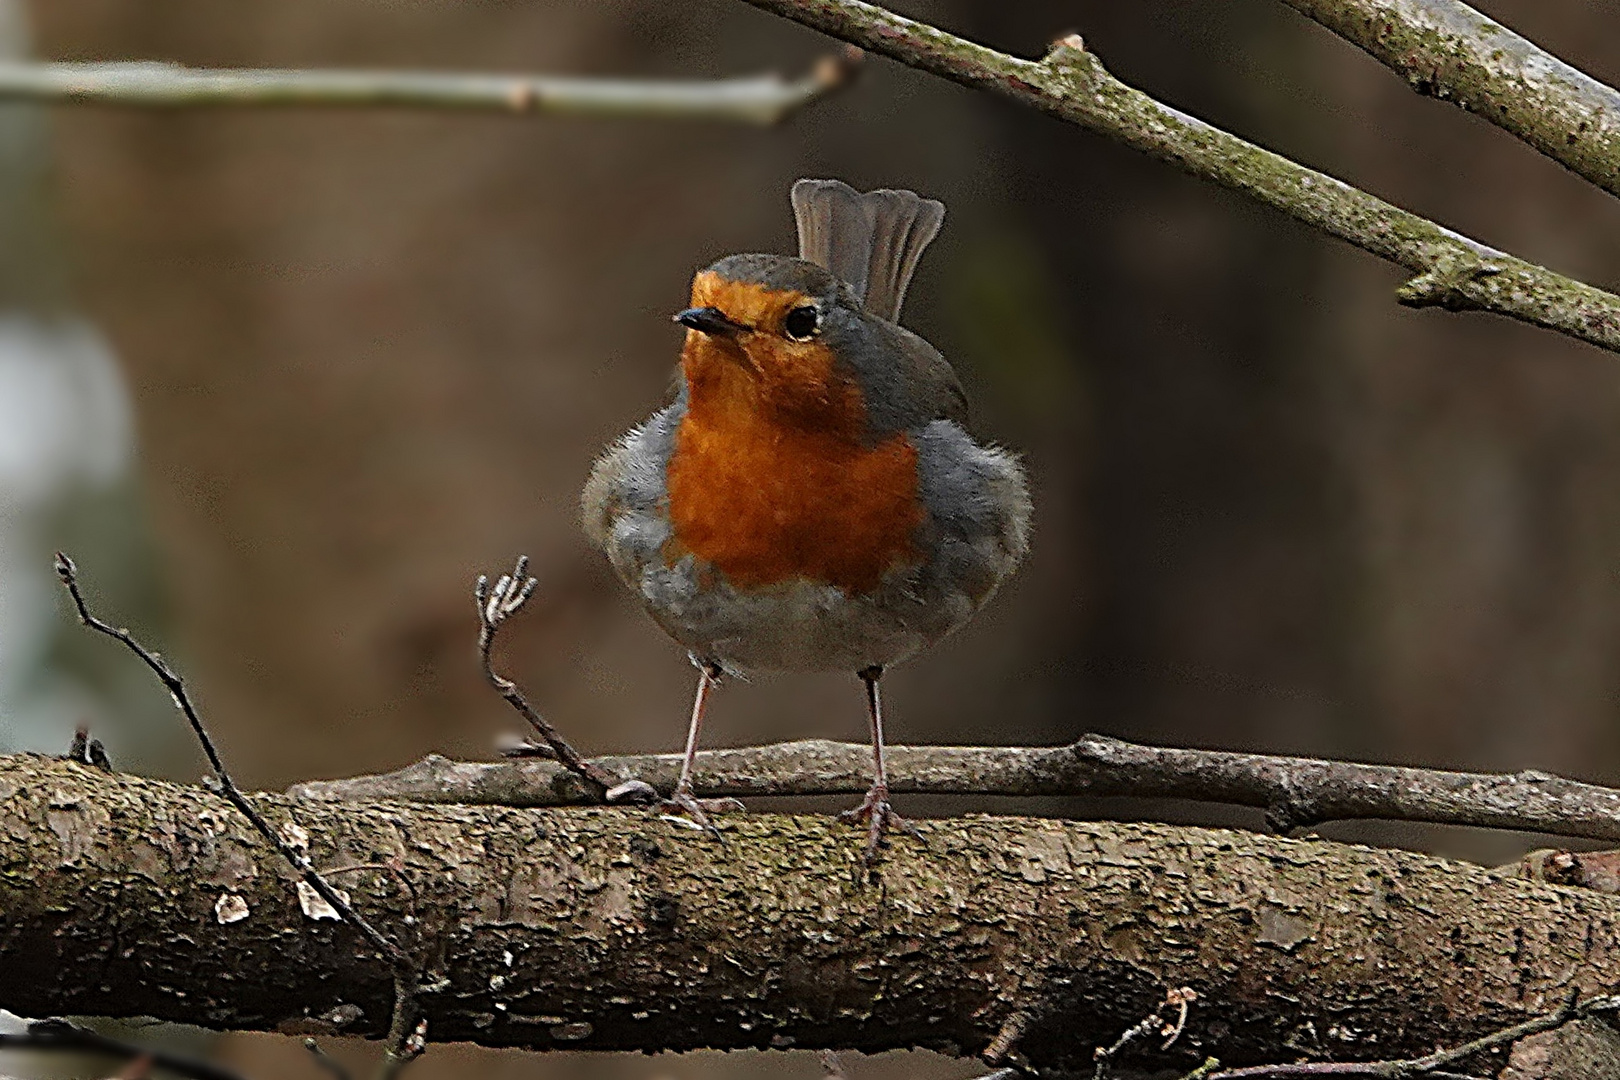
800,324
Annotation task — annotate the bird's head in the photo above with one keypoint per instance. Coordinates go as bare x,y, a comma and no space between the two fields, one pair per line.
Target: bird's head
767,331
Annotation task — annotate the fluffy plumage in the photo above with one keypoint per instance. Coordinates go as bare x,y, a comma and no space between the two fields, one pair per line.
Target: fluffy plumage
812,503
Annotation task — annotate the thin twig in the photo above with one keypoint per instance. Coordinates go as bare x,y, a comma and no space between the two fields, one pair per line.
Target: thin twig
1432,1066
407,1036
759,99
407,1029
1178,998
54,1034
176,686
496,604
1446,49
1450,270
1295,792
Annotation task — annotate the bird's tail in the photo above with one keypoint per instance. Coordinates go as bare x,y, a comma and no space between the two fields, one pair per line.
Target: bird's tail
871,240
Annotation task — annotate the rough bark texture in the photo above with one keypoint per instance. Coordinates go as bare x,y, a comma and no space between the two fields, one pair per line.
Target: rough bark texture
616,930
1582,1050
1295,792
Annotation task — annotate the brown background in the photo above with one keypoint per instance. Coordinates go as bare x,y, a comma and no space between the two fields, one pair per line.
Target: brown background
374,353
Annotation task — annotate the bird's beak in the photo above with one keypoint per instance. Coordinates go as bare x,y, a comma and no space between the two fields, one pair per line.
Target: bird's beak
708,320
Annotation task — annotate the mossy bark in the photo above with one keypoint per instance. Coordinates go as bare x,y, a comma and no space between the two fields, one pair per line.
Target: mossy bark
611,929
1448,50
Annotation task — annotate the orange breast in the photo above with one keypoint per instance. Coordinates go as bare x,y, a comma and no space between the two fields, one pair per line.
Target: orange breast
768,494
766,506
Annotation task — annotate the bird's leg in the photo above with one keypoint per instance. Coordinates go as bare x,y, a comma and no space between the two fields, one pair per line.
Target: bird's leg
698,810
875,809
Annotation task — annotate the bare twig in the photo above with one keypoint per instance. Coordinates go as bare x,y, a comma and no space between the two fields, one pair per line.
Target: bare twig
1295,792
176,686
407,1037
1448,50
1450,270
760,99
54,1034
496,604
1002,1049
1432,1065
1154,1023
407,1028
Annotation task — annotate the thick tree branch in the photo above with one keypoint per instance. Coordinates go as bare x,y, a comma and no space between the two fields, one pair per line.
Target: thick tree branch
1448,50
1451,270
1294,792
759,99
611,929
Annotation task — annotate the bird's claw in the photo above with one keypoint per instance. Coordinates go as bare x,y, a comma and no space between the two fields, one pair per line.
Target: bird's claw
683,809
880,818
516,747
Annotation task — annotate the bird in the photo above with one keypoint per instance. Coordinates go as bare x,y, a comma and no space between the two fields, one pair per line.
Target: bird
811,499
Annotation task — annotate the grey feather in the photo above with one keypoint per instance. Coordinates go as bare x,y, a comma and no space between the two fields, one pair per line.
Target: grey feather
872,241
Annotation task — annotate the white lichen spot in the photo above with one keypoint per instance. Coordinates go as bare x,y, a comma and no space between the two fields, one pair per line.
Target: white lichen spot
507,957
315,905
497,983
1279,928
230,908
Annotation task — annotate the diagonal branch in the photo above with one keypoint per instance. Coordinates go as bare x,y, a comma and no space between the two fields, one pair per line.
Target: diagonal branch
68,572
758,99
1446,49
1295,792
1450,270
407,1037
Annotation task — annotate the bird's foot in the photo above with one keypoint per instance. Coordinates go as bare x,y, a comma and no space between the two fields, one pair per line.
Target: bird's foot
517,747
880,818
682,808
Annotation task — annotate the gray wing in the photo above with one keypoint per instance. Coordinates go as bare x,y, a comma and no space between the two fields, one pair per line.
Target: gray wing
978,504
872,241
904,380
621,506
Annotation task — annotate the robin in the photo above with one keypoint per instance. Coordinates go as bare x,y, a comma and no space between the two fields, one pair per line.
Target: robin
811,500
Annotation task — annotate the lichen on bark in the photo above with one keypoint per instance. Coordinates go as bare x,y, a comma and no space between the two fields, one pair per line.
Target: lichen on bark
612,929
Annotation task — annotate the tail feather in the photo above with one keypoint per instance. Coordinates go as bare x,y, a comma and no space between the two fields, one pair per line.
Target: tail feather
872,240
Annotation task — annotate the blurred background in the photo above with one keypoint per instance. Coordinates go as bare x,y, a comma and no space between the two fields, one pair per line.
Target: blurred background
285,382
